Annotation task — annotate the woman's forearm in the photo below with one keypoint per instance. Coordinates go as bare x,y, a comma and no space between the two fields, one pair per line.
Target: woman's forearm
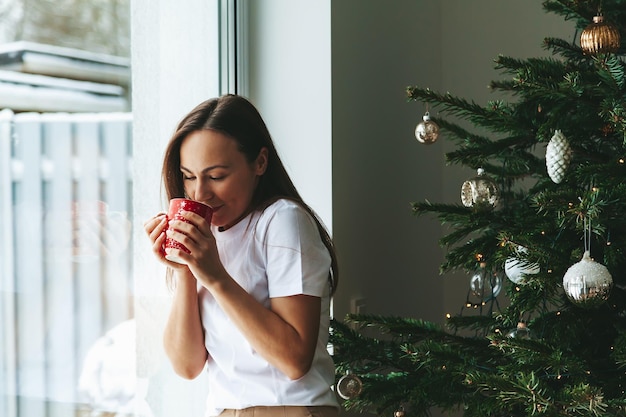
183,338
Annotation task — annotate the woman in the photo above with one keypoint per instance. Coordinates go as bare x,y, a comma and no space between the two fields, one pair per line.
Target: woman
252,302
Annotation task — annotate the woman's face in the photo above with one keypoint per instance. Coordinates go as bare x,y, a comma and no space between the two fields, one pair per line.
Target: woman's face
216,173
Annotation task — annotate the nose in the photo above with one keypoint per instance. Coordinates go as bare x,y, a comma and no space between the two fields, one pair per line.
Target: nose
203,190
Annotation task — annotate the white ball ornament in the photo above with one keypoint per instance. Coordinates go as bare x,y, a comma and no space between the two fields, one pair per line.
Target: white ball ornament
587,283
517,269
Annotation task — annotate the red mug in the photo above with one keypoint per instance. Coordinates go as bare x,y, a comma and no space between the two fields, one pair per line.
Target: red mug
177,205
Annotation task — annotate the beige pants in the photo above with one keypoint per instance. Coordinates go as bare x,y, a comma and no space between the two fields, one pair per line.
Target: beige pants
282,411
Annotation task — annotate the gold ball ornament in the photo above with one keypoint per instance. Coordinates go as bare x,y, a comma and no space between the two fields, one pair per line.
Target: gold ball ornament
599,37
480,191
427,131
349,386
587,283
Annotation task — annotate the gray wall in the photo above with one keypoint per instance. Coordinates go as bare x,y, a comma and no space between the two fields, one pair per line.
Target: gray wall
389,258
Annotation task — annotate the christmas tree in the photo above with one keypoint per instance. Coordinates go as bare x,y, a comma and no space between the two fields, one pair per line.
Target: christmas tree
541,231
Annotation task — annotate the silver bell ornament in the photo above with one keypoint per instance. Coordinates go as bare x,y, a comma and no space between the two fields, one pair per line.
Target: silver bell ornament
516,269
587,283
485,283
480,191
427,132
349,386
558,156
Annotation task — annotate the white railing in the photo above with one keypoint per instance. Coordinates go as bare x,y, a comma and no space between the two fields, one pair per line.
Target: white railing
65,261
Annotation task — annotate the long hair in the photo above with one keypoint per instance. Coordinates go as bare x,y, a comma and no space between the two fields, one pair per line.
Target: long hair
237,118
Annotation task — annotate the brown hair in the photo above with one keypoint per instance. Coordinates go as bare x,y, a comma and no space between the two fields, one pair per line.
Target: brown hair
237,118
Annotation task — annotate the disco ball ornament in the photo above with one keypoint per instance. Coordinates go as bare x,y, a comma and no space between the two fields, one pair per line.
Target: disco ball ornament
427,132
480,192
599,37
516,269
349,386
485,283
587,283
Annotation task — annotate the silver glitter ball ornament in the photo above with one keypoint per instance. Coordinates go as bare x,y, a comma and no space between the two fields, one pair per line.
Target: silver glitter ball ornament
480,191
587,283
427,131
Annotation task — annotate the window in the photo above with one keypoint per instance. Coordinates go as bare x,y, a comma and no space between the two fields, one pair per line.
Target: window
80,312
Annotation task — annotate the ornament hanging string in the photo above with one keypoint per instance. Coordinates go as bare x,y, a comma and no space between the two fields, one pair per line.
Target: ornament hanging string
587,234
587,228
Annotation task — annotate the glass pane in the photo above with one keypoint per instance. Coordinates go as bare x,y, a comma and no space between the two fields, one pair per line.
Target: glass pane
67,334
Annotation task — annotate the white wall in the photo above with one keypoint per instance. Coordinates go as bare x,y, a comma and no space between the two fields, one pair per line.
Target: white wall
290,83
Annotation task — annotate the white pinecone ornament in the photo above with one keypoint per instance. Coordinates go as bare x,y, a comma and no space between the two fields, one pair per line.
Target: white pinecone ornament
558,156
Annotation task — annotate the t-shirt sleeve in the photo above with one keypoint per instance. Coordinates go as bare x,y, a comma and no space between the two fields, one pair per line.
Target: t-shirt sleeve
297,260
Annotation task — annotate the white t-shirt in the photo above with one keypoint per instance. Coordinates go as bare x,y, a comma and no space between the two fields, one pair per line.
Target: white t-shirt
276,253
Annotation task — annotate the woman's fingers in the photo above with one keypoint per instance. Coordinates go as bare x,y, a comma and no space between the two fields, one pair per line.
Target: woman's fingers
155,225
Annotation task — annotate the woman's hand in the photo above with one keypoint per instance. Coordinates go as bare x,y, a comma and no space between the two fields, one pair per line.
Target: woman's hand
195,234
155,229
